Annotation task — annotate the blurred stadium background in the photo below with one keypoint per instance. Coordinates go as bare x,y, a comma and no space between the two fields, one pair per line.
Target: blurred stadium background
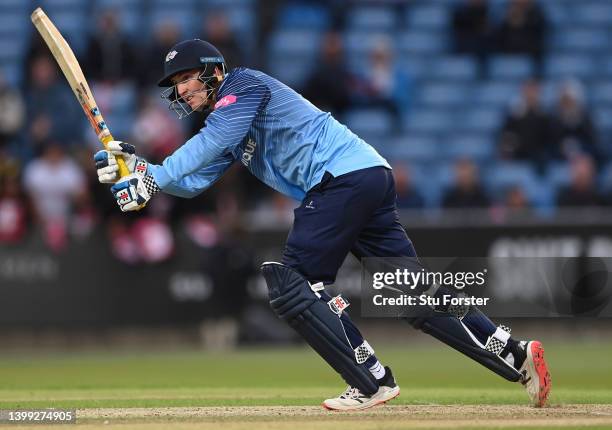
496,115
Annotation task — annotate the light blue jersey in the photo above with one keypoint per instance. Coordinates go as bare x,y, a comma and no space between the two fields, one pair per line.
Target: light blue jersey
282,139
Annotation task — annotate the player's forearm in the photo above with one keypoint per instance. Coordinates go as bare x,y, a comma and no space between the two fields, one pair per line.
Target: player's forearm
191,185
165,183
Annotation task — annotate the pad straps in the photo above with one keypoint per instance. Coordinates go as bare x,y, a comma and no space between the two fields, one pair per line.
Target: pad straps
498,340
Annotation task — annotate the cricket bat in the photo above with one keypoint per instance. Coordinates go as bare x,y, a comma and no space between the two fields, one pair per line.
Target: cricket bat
70,66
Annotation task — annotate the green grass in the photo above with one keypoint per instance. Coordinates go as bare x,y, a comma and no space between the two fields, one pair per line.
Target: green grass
428,374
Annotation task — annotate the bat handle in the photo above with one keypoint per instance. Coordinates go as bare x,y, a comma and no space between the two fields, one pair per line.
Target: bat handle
123,170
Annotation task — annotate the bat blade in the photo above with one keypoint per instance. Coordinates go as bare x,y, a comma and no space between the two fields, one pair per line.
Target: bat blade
67,61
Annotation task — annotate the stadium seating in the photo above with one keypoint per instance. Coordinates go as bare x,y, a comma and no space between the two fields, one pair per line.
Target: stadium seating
455,111
510,67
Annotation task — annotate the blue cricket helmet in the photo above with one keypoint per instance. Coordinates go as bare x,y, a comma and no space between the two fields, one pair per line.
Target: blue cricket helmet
190,54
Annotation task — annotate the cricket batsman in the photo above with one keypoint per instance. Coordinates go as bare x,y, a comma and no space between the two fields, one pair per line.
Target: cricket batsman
347,199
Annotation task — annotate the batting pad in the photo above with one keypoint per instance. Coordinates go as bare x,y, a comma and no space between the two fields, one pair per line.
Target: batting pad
293,300
453,332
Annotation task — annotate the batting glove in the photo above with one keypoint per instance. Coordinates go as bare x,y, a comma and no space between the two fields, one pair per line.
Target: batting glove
133,191
106,161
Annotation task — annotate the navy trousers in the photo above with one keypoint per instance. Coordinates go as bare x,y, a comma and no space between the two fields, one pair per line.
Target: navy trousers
355,213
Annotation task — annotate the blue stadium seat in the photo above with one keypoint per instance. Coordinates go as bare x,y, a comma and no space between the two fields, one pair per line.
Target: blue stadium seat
504,67
415,67
429,17
499,178
360,43
304,16
416,43
495,93
11,50
304,43
592,13
411,148
603,120
558,174
369,122
123,99
120,123
477,120
444,95
460,68
378,18
426,181
419,121
16,6
56,5
290,70
131,18
446,175
557,13
242,20
549,93
564,66
605,178
185,19
176,4
479,148
119,4
606,67
14,24
584,39
228,3
601,93
12,73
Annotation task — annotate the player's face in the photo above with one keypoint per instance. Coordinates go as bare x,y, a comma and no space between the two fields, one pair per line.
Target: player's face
191,89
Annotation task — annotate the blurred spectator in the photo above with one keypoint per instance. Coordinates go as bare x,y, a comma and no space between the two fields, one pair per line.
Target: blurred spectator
467,192
98,196
53,183
471,32
12,111
38,48
522,30
516,202
13,210
110,56
526,132
407,196
165,36
52,109
513,204
386,84
328,87
582,190
216,30
156,130
573,130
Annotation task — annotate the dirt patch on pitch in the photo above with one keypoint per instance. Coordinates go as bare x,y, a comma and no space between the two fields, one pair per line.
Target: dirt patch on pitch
400,416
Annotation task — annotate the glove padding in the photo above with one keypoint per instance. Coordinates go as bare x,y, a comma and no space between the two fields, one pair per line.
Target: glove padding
106,161
131,192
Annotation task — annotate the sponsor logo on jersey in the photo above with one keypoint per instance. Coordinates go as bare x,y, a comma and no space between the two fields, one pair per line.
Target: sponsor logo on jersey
226,101
171,55
249,150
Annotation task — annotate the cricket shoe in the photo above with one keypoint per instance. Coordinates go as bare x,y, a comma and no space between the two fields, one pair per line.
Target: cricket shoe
534,373
352,399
